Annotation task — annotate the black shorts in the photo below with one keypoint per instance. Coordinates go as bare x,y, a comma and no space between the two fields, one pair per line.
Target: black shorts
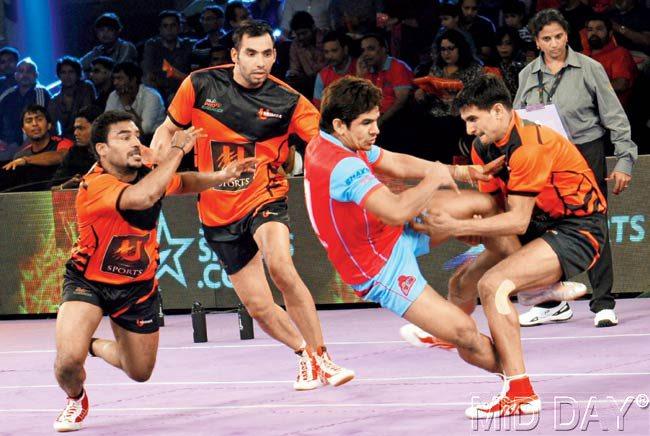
234,243
577,241
132,307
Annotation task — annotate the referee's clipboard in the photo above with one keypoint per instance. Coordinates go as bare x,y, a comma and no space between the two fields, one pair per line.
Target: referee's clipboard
546,115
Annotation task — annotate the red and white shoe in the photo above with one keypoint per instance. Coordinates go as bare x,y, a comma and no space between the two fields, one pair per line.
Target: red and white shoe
330,373
417,337
560,291
308,373
517,398
73,415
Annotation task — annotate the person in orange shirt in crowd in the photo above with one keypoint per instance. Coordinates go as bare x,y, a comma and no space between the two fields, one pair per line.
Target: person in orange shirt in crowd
113,263
247,112
617,61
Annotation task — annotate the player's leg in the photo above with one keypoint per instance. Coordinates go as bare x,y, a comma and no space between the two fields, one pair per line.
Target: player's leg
273,239
134,351
75,323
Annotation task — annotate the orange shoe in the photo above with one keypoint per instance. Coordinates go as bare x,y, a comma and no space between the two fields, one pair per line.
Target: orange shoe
308,374
417,337
517,398
331,373
73,415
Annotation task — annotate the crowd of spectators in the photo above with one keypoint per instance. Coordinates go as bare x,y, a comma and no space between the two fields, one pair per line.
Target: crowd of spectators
420,53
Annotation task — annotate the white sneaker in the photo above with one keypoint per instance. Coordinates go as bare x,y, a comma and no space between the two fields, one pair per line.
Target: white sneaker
605,318
331,373
417,337
560,291
308,377
541,315
73,415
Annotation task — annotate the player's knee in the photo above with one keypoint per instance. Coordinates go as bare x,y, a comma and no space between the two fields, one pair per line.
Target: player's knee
140,375
68,364
258,308
488,285
466,335
282,273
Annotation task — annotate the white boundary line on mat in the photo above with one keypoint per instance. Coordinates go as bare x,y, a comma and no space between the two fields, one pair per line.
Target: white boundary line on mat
276,345
356,380
418,405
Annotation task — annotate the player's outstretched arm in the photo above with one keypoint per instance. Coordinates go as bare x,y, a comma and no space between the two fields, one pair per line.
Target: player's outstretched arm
153,186
197,182
398,209
163,136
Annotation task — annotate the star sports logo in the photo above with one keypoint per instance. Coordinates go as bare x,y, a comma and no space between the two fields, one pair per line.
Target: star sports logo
264,114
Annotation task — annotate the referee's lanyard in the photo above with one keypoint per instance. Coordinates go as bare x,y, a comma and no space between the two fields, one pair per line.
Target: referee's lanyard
541,89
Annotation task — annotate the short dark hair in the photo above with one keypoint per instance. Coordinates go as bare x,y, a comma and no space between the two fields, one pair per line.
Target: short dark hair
35,109
70,61
334,35
104,61
514,7
600,17
11,52
109,19
216,10
302,20
346,99
483,92
131,69
380,39
89,113
102,124
230,11
169,13
449,9
546,17
251,28
515,39
465,56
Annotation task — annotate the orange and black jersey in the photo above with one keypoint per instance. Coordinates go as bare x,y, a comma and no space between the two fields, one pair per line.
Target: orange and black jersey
544,164
241,123
115,247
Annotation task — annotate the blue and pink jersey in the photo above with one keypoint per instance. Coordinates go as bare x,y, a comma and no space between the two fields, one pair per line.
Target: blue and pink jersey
338,181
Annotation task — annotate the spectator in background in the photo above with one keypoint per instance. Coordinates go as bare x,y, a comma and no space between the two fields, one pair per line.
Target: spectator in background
167,58
236,12
212,18
318,9
107,30
75,93
306,56
514,16
39,158
394,78
631,24
593,116
79,158
450,16
8,60
358,15
452,60
481,29
219,55
266,10
617,61
101,75
339,63
576,14
512,59
13,101
132,96
412,25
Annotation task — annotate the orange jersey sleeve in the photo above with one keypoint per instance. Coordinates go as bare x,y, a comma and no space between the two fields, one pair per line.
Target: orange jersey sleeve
175,185
530,169
64,144
103,193
488,187
305,120
180,109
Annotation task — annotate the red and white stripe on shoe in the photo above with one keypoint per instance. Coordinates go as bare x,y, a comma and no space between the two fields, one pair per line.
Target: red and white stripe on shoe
308,374
73,415
518,399
331,373
417,337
